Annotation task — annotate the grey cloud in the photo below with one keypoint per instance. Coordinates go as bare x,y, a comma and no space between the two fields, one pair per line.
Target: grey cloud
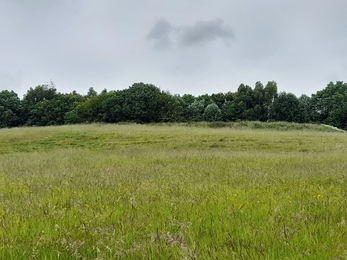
165,34
83,43
160,34
203,31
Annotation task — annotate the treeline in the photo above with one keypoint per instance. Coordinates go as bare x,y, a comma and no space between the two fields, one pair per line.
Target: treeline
146,103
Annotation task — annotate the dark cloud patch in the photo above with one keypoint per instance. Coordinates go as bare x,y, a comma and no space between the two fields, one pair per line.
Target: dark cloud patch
204,31
165,35
160,34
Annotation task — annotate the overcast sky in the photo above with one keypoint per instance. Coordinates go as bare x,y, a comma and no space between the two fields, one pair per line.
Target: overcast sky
183,46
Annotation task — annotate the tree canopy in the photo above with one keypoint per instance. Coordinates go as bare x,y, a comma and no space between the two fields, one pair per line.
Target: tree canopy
146,103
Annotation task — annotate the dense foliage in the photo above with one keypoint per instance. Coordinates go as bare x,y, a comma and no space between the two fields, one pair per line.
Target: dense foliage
146,103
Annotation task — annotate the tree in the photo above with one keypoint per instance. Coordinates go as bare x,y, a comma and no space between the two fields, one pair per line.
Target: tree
227,112
218,99
92,92
40,93
10,109
52,112
260,106
227,107
212,113
188,99
270,94
36,95
229,96
233,110
242,105
91,109
172,109
245,94
112,107
195,110
285,107
304,109
259,94
142,103
329,106
206,98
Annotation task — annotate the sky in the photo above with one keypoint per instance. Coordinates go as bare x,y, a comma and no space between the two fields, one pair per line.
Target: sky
183,46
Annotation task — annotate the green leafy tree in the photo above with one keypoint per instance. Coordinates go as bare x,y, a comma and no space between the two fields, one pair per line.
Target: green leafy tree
242,105
259,94
227,108
233,110
286,107
10,109
112,107
188,99
227,111
91,109
270,94
212,113
218,99
329,105
52,112
245,94
39,94
229,96
195,111
119,105
143,103
172,109
260,106
304,109
92,92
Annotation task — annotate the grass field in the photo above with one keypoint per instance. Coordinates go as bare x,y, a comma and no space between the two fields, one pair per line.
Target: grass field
247,191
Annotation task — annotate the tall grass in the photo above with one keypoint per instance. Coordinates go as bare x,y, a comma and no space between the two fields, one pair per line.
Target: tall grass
172,192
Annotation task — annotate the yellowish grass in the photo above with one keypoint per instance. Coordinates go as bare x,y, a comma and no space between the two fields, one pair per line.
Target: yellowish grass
159,192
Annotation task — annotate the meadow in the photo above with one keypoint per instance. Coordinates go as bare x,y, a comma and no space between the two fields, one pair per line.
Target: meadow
173,191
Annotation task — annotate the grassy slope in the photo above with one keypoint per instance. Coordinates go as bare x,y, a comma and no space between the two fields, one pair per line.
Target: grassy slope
155,192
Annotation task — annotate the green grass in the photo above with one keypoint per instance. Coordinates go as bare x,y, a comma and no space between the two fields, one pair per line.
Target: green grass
173,192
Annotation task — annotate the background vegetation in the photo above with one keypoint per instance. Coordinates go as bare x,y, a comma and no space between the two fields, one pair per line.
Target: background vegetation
146,103
242,190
